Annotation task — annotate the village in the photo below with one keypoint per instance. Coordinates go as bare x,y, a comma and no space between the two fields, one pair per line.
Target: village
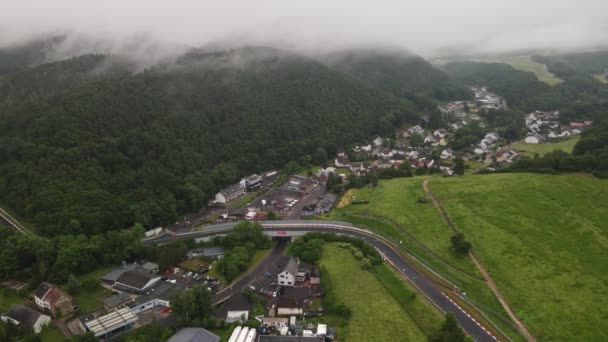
139,293
428,150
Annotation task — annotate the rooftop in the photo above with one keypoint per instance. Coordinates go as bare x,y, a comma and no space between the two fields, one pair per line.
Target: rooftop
23,315
117,300
194,335
134,278
112,321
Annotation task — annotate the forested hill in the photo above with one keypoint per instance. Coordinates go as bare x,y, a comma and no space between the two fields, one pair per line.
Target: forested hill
576,98
403,75
147,147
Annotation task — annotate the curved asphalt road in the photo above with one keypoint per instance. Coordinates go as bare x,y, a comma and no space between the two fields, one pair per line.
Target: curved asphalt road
434,294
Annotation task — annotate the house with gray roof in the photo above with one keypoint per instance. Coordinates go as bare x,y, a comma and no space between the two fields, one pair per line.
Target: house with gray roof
23,315
117,301
194,335
137,281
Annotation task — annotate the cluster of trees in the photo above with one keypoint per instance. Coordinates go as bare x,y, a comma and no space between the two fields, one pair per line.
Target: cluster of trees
35,259
150,146
193,307
240,246
460,244
309,251
450,331
467,136
331,304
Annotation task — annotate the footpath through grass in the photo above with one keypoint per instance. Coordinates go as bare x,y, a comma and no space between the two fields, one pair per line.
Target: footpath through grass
376,315
404,202
566,145
544,240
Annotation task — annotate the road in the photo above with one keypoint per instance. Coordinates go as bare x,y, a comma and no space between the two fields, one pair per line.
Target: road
10,221
390,253
239,285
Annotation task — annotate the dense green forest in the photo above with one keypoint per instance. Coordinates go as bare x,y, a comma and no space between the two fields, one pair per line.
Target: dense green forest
146,147
403,75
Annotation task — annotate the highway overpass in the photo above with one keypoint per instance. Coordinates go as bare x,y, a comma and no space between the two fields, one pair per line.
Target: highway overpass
388,250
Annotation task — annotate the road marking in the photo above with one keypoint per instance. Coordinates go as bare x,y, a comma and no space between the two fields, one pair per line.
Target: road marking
469,316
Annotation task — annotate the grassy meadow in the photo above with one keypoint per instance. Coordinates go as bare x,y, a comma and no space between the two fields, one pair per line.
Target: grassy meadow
544,240
403,202
376,315
525,63
566,145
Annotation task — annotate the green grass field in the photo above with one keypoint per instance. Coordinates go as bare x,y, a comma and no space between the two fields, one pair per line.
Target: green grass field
524,63
90,300
399,200
8,298
544,240
51,333
566,145
376,315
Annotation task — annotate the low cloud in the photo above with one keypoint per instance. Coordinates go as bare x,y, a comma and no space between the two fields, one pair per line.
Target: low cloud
154,30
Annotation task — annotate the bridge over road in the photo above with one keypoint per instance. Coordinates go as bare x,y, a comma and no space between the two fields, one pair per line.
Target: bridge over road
387,249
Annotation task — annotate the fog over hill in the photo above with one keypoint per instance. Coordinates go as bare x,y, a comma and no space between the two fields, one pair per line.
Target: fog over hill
155,30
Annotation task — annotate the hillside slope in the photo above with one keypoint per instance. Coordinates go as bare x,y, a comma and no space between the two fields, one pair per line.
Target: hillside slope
544,241
147,147
401,74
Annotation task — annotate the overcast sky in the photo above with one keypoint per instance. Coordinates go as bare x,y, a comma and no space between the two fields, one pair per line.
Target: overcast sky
420,26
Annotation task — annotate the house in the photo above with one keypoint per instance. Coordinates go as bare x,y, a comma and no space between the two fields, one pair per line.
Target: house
137,281
342,161
117,301
110,277
121,319
230,193
236,214
50,297
429,139
442,141
366,148
378,141
207,252
357,168
158,295
194,335
415,130
288,276
447,153
24,316
252,183
440,133
277,322
532,139
287,306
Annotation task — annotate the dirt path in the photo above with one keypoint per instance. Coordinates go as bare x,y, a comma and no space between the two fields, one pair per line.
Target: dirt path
501,298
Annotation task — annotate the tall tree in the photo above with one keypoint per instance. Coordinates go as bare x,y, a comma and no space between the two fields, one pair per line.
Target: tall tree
193,306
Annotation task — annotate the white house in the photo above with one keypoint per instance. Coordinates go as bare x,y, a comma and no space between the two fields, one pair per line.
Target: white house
531,139
378,141
22,315
366,148
447,153
288,276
